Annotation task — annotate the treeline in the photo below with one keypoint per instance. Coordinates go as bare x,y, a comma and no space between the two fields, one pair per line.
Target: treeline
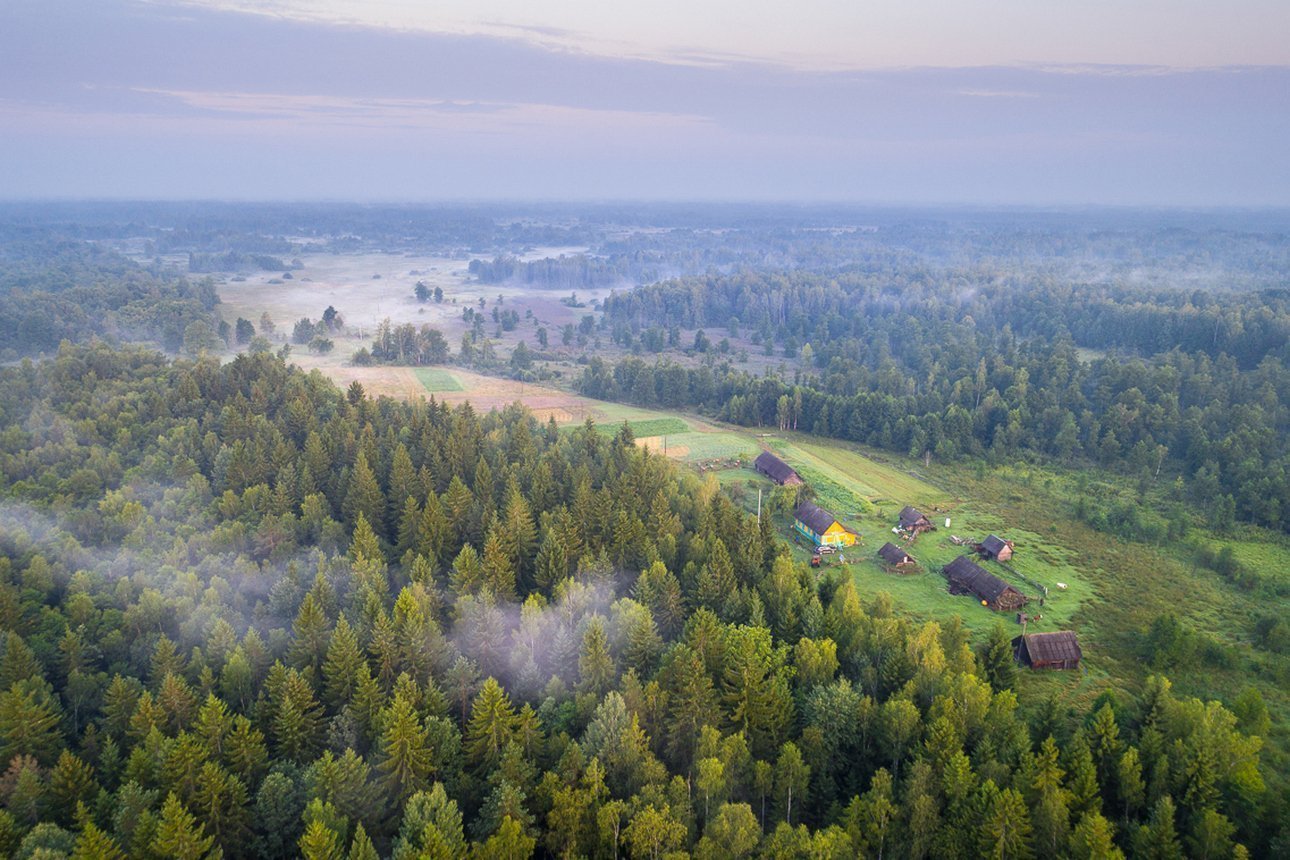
953,370
56,290
577,271
246,615
232,261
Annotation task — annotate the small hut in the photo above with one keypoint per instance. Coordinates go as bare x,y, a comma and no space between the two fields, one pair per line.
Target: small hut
967,577
1058,650
894,556
777,470
821,526
996,548
913,521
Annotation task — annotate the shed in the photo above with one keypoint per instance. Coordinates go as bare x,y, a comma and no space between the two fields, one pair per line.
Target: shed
1058,650
996,548
967,577
776,469
913,520
821,526
895,556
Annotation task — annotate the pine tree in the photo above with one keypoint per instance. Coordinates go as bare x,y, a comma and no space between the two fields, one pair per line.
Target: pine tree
340,668
596,671
310,635
1157,839
320,842
1093,839
406,760
498,566
179,835
364,497
1005,826
29,722
997,665
492,724
407,528
432,531
94,844
361,847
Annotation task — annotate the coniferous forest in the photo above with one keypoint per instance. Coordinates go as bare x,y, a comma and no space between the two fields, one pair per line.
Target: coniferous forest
248,615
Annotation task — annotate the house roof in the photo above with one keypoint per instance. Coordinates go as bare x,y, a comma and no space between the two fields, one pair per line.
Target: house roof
1052,647
776,468
973,577
815,517
993,544
911,516
893,554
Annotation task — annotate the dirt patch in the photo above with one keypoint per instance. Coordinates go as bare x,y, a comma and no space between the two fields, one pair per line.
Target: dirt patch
659,445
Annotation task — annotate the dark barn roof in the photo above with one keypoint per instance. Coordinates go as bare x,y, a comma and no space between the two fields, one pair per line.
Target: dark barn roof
1059,647
993,544
776,469
893,554
971,576
815,517
911,516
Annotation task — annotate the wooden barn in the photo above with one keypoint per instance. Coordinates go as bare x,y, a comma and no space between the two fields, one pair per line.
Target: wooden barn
777,470
1058,650
913,521
894,556
967,577
821,527
996,548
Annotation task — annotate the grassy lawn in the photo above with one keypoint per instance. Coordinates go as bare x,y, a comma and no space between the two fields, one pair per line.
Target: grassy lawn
437,380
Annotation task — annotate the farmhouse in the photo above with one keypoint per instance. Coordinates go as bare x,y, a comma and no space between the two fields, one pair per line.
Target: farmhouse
913,521
821,527
894,556
996,548
967,577
1048,650
776,469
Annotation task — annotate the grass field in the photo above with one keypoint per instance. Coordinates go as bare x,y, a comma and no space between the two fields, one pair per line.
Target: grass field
437,380
644,427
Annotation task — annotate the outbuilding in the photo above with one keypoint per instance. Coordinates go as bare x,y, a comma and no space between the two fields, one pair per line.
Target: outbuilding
894,556
967,577
777,470
996,548
913,521
1058,650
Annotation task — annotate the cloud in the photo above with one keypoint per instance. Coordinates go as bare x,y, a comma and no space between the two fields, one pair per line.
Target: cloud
125,99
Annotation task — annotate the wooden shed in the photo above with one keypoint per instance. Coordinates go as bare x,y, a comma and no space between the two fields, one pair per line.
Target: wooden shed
967,577
894,556
913,521
821,526
777,470
1058,650
996,548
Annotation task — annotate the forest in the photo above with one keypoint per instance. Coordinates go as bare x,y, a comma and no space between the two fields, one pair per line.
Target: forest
54,289
246,614
984,364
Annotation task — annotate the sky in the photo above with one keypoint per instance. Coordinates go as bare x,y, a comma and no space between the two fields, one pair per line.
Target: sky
1033,102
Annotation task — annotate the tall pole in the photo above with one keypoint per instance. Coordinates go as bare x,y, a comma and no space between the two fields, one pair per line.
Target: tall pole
759,506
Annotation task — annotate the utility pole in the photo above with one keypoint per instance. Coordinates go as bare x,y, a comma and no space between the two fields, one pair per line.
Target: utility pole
759,506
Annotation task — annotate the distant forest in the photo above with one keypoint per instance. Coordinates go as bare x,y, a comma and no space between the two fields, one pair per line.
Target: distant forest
985,364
